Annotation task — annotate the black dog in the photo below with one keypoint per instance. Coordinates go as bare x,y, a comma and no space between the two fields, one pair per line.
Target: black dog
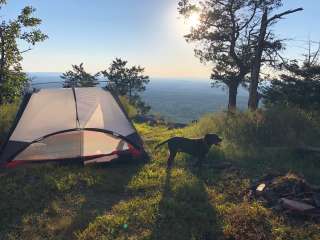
196,147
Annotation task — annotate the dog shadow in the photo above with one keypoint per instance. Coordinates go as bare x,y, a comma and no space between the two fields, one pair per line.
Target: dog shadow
185,211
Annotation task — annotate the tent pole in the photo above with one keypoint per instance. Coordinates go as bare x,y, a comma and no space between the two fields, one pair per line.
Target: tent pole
78,124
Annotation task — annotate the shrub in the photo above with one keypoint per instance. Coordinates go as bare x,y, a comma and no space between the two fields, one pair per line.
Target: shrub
129,108
274,127
7,115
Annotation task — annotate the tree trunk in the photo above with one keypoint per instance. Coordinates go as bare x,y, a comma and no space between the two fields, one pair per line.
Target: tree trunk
233,92
256,65
2,57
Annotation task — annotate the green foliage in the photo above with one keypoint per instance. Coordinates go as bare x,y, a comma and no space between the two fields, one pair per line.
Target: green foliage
23,28
299,87
141,106
221,44
224,38
274,127
127,81
7,115
13,86
128,107
78,77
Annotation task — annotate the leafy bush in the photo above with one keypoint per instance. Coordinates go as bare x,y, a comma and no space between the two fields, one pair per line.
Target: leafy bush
274,127
13,87
298,86
7,115
129,108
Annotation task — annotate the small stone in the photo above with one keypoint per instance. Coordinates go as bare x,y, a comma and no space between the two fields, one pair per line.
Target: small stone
261,187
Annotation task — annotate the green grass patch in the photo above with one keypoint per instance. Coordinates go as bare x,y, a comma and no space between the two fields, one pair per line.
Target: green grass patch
146,201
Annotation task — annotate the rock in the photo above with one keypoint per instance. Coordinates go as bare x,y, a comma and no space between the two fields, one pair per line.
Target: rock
296,206
288,192
316,199
261,187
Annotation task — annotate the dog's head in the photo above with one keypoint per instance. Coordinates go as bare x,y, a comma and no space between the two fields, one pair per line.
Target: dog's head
212,139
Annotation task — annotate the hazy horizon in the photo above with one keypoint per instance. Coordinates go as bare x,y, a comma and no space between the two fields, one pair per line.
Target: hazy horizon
176,99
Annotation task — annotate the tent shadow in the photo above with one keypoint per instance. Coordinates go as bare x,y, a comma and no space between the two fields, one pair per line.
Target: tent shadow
101,198
185,212
62,213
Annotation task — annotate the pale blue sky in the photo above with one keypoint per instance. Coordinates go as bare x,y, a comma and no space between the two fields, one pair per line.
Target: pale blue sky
145,32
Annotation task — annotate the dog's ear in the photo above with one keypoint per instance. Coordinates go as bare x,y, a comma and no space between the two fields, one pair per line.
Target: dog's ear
212,139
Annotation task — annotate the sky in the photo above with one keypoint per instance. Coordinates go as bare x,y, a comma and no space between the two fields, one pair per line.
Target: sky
144,32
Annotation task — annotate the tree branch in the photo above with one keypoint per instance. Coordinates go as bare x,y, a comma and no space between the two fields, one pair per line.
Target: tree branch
24,51
250,19
280,15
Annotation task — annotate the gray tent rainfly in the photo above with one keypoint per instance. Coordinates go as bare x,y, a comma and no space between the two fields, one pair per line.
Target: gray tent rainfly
86,124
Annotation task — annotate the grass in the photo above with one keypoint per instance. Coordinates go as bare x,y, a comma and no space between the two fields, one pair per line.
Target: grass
147,201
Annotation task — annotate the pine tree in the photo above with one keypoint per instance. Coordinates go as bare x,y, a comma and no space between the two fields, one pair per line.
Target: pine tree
78,77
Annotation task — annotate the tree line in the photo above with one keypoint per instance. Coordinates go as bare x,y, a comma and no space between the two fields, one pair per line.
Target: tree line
238,38
119,77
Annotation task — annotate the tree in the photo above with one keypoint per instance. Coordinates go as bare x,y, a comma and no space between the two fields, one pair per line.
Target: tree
224,37
23,28
13,87
127,81
266,9
78,77
298,86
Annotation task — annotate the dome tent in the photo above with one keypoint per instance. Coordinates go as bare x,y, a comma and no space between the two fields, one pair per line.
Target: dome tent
85,124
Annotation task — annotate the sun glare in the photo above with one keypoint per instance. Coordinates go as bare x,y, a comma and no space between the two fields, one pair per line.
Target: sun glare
193,20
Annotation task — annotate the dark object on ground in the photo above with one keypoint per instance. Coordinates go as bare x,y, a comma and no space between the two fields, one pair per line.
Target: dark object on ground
308,149
289,193
316,199
198,148
153,120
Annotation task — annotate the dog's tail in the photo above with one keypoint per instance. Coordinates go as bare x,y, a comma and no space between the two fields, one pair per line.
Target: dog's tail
160,144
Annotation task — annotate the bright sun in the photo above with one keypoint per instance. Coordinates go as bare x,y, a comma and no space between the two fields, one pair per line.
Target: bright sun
193,20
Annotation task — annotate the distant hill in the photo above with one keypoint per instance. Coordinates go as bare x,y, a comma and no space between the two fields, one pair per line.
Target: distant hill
178,100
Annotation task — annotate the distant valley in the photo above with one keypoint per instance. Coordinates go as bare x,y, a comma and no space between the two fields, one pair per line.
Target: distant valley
178,100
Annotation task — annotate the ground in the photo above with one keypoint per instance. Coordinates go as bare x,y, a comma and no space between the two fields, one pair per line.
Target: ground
145,200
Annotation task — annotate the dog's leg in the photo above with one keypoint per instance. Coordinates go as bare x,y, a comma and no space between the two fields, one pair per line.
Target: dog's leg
172,155
200,161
